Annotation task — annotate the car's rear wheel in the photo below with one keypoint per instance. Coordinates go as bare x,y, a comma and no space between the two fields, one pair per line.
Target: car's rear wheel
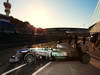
85,59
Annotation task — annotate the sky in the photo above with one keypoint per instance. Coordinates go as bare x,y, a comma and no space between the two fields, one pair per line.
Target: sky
53,13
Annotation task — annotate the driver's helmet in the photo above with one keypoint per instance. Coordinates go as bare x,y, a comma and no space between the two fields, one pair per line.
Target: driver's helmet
22,51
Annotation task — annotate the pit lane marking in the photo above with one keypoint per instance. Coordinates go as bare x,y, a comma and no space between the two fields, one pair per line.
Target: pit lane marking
13,69
41,68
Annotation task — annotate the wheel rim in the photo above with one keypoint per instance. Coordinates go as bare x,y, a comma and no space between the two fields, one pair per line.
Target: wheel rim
30,58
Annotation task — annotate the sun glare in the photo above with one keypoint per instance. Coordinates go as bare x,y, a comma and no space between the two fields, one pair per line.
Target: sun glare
40,17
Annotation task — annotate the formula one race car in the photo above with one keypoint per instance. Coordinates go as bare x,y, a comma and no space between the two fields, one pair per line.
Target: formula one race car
33,54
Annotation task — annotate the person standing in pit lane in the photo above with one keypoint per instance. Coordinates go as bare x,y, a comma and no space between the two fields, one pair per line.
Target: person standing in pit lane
93,40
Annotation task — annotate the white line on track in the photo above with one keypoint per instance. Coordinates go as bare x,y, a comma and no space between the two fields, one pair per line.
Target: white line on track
41,68
13,69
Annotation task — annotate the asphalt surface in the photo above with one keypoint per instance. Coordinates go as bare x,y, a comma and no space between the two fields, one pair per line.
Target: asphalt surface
54,68
69,68
22,68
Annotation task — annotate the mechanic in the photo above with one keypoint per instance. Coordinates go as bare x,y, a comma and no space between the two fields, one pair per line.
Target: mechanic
93,40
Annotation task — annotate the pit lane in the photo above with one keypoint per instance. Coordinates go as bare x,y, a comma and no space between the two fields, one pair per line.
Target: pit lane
23,69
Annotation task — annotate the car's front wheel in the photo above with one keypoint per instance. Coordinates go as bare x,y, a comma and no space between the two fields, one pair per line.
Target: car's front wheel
29,58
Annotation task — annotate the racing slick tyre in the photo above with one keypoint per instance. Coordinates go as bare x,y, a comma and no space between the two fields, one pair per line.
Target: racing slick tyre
29,58
85,59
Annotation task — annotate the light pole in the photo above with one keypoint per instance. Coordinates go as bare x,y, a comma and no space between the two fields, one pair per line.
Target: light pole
7,6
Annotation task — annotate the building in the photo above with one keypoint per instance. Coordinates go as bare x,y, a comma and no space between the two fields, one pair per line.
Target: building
95,55
95,28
